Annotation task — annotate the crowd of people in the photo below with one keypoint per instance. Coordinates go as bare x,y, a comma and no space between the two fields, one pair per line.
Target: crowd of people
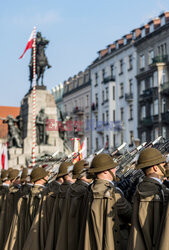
83,208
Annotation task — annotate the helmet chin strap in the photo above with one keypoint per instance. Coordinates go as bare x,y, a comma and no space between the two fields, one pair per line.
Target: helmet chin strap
162,170
114,178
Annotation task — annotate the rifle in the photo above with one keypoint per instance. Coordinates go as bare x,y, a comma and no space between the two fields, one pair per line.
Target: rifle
119,148
67,158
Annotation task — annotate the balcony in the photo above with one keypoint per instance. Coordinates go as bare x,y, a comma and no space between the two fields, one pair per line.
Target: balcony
78,111
165,117
100,129
147,122
160,59
165,88
147,94
129,97
108,79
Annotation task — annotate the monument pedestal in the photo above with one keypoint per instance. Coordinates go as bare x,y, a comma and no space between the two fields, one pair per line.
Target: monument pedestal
45,100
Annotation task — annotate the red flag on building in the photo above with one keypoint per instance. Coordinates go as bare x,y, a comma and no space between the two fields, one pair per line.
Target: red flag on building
29,45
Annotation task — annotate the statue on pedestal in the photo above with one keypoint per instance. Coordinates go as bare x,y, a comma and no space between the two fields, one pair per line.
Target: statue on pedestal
41,122
14,131
41,60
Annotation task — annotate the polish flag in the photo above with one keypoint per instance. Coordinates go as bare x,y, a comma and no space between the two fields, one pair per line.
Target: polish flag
29,44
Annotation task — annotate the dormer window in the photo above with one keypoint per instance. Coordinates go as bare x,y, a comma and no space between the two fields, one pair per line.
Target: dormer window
163,20
143,32
151,27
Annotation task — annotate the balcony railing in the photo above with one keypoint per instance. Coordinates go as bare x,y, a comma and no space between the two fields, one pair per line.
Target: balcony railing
148,93
100,129
165,117
147,122
165,88
129,97
108,79
160,59
78,111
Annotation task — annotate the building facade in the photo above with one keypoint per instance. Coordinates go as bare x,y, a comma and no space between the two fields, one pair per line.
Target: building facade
153,79
77,106
57,92
114,95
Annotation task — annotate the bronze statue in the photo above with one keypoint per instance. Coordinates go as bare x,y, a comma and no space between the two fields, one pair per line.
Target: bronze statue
41,122
14,132
41,59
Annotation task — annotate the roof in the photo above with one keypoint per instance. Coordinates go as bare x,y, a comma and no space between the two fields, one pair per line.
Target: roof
4,112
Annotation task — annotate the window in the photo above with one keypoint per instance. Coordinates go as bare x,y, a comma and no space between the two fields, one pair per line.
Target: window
96,79
88,146
87,100
122,114
156,107
151,109
122,136
150,56
143,112
143,136
103,140
164,132
65,108
112,70
142,61
156,132
96,121
103,74
113,93
96,99
121,90
121,67
163,78
151,82
107,94
131,112
131,85
130,58
103,118
114,116
102,96
131,137
107,116
155,79
162,49
163,108
114,140
107,142
97,144
142,86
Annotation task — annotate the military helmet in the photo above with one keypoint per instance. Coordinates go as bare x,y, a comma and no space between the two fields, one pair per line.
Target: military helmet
38,173
150,157
79,168
24,174
101,163
4,175
65,168
14,173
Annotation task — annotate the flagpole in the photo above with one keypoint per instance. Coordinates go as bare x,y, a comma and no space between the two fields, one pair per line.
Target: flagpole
34,98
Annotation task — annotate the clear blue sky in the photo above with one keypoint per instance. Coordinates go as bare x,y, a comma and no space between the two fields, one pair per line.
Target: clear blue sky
76,29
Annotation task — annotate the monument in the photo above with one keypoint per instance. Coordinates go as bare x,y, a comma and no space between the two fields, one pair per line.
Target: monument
47,141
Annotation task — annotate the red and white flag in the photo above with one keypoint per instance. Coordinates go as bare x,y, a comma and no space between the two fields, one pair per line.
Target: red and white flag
29,44
3,156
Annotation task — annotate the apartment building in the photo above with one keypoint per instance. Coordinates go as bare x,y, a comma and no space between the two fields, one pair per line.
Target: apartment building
77,106
114,95
152,48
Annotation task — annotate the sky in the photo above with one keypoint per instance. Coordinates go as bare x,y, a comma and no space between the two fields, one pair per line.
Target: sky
76,29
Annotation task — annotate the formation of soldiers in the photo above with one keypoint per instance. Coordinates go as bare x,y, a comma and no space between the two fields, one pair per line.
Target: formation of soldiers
85,206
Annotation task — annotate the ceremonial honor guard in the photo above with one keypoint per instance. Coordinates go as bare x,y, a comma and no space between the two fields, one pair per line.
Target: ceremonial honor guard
149,207
108,211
